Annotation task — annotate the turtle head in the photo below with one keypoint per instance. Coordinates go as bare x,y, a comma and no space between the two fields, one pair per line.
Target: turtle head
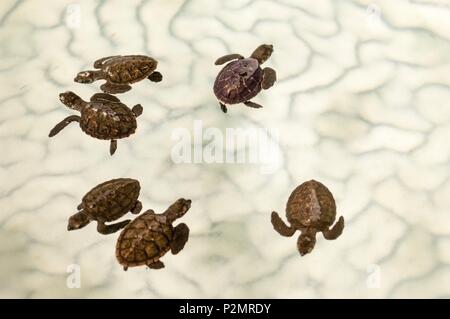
306,242
177,209
262,53
85,77
77,221
71,100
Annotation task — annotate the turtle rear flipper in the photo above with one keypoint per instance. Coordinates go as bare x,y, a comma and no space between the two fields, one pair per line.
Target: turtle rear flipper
137,110
156,265
155,77
115,88
137,208
180,238
253,105
61,125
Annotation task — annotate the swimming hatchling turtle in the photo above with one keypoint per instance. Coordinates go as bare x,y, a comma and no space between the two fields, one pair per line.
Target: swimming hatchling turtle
107,202
120,71
311,208
241,80
104,117
147,238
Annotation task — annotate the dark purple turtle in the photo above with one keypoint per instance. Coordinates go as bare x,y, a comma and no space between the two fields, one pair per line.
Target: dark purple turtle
241,80
120,71
311,208
104,117
108,202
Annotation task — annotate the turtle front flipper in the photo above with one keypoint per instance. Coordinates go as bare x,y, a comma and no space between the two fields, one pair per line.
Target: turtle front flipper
104,97
109,229
113,147
269,78
115,88
336,231
58,127
253,105
98,63
280,226
156,265
227,58
155,77
180,238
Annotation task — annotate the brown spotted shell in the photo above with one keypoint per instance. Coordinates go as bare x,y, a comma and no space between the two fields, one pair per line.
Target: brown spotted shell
144,240
311,205
107,120
128,69
238,81
111,200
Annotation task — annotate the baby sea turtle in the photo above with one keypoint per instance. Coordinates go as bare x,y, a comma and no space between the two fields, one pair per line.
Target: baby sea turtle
120,71
311,208
241,80
104,117
147,238
108,202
